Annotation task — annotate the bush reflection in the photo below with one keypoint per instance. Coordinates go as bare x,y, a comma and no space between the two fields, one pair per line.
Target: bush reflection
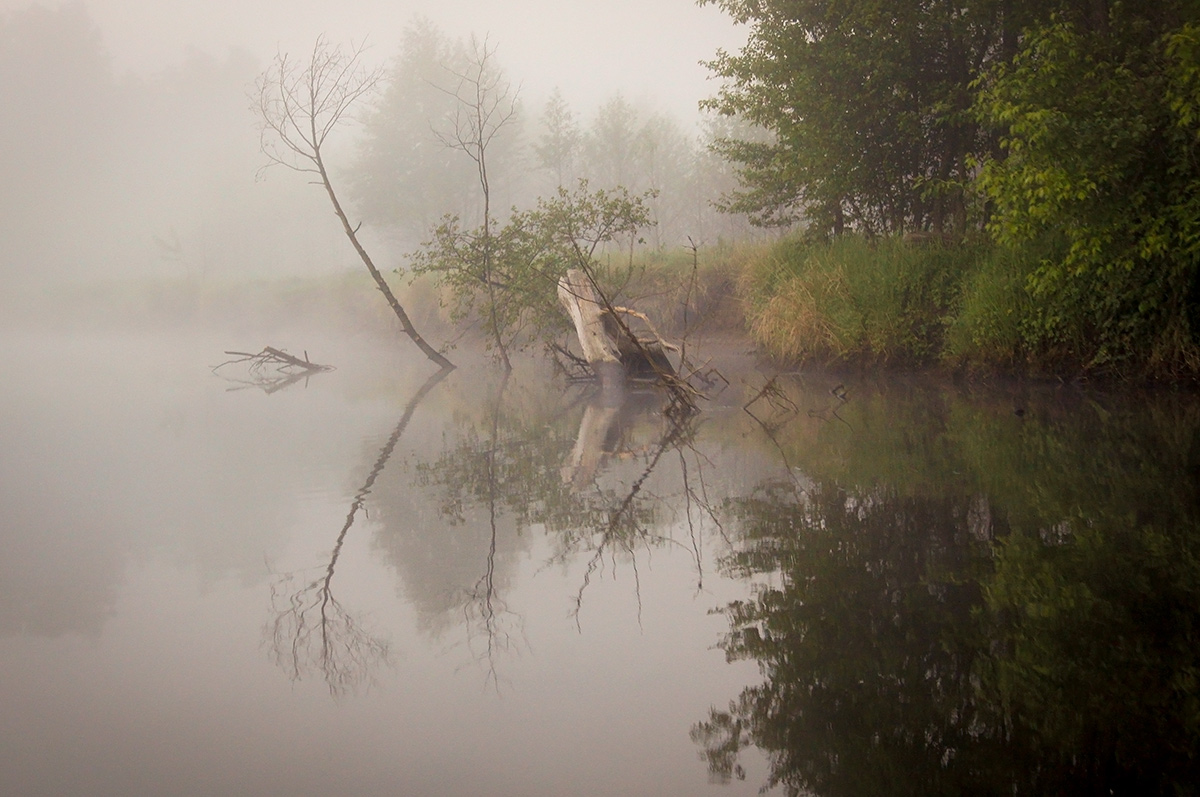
971,600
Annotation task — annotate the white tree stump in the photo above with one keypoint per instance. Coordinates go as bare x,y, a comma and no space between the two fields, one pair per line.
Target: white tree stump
609,347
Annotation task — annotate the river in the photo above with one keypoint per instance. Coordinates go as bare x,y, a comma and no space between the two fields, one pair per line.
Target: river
370,582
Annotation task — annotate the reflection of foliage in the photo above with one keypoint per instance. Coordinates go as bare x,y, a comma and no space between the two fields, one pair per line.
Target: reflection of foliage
865,693
593,491
1099,657
615,523
1029,627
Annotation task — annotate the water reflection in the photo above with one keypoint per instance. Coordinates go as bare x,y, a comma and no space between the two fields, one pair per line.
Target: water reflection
311,630
587,484
965,600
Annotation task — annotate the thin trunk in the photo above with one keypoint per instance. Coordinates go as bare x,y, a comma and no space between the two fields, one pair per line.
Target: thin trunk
481,162
430,352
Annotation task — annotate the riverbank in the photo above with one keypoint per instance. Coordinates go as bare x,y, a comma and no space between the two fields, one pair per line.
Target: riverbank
685,297
970,307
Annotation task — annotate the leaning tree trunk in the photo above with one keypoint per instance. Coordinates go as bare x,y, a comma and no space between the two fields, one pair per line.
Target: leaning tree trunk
352,233
577,294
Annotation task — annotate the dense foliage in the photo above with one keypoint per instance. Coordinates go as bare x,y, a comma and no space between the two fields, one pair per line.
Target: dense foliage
1066,134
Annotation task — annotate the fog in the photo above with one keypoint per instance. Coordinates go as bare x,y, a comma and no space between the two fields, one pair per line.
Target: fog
644,48
131,151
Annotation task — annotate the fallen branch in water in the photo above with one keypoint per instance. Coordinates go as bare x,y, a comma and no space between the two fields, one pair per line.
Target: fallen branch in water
271,369
270,356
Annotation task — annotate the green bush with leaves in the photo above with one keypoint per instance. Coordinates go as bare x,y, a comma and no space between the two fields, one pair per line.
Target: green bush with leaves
1101,149
508,275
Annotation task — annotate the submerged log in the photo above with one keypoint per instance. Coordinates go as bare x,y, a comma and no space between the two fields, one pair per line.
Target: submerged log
611,348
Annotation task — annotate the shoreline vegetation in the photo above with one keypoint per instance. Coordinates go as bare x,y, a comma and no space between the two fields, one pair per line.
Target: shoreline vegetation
1046,154
853,304
972,308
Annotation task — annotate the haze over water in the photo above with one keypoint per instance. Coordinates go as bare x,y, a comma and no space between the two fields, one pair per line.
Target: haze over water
369,582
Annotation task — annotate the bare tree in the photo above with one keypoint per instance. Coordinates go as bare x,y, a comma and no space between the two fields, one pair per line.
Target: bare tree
486,103
299,105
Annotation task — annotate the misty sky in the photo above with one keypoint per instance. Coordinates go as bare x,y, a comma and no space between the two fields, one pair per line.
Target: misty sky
647,49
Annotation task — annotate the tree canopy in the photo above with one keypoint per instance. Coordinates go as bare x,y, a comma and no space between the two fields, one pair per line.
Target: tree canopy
880,111
869,103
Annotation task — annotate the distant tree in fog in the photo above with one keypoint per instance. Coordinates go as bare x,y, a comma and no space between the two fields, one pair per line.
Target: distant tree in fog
664,155
405,178
653,154
299,105
716,181
610,145
558,146
407,182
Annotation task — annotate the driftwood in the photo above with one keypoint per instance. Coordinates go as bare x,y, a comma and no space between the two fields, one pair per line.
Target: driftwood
270,369
610,347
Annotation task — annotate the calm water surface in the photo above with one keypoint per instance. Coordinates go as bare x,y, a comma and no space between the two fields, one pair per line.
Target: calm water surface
373,583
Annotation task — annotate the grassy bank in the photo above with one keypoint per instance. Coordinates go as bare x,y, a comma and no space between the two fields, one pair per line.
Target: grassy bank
975,307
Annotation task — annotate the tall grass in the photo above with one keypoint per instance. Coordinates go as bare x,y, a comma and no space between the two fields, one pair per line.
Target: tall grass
993,324
688,291
881,301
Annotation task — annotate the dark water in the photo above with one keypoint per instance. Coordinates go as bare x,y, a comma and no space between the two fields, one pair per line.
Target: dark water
371,583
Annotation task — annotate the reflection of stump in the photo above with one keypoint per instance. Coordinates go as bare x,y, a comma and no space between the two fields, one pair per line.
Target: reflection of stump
593,445
609,346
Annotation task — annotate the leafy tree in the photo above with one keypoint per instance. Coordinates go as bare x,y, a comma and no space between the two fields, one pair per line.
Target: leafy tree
868,102
1100,153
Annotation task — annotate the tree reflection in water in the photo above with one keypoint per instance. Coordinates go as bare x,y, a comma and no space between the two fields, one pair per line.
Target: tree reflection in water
1030,628
488,619
311,630
591,488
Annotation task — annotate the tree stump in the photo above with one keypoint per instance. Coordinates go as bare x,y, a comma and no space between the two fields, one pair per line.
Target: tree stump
610,347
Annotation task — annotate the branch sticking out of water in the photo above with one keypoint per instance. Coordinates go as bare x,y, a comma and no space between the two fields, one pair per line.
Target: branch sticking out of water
270,369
